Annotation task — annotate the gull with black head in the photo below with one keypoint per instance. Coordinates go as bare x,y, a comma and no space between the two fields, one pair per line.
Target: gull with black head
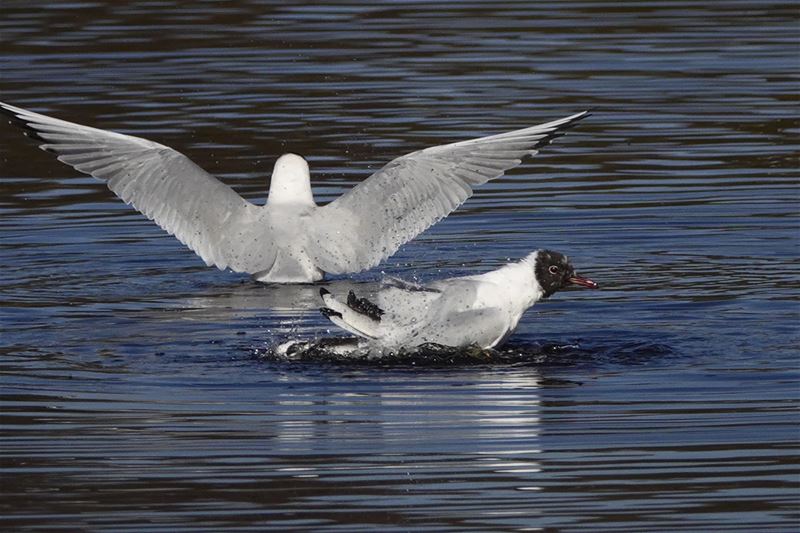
480,310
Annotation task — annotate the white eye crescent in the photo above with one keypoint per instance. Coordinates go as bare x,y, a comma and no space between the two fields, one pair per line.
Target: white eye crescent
553,269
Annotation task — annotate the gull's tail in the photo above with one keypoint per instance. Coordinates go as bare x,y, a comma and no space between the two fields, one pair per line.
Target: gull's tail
358,316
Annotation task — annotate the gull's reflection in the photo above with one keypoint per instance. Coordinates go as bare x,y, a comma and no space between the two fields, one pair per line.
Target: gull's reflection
490,425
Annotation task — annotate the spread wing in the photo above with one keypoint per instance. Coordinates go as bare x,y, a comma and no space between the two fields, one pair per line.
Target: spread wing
164,185
369,223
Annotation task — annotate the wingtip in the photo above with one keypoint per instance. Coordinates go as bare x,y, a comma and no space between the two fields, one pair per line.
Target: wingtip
16,117
9,111
559,128
327,312
323,292
12,111
579,116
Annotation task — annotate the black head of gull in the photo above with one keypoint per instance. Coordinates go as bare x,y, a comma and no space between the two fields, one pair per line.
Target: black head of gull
554,272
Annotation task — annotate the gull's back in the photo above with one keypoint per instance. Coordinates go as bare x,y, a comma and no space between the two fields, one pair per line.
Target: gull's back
443,312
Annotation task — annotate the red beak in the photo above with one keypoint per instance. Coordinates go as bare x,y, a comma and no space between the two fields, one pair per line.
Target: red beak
583,282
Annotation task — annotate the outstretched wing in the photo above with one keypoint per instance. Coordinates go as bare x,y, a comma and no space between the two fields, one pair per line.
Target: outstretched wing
368,224
164,185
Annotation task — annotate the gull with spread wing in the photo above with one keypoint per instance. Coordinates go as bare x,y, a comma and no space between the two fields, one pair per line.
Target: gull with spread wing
290,239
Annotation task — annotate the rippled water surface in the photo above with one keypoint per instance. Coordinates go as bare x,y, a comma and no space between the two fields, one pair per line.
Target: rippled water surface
136,393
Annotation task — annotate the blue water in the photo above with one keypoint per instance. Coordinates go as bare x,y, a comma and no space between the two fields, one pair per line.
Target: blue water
137,389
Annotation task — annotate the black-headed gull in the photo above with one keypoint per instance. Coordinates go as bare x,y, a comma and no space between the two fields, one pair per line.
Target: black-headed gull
289,239
478,310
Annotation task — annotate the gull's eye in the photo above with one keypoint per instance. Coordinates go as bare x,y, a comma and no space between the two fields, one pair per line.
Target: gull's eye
554,269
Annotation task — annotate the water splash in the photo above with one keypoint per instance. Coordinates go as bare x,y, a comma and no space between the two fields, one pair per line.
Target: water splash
348,351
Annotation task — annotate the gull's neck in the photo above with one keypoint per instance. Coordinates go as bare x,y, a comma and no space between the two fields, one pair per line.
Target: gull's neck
533,290
520,280
291,182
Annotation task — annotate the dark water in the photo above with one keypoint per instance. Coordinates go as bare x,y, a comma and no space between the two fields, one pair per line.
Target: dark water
135,396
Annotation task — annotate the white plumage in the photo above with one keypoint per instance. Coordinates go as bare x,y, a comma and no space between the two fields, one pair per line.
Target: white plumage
290,239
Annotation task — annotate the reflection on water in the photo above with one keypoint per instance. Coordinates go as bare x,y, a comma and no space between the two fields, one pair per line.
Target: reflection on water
135,391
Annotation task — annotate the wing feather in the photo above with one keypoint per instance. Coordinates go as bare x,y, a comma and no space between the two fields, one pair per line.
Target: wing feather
203,213
369,223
